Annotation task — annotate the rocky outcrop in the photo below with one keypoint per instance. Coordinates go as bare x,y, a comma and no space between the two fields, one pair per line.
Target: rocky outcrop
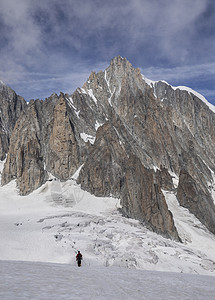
143,199
191,195
165,179
111,170
102,172
24,161
11,106
131,135
63,151
43,141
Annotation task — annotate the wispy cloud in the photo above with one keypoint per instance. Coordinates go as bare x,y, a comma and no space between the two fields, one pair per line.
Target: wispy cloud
22,35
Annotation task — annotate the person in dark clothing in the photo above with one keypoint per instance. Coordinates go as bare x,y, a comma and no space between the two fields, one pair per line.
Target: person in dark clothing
79,258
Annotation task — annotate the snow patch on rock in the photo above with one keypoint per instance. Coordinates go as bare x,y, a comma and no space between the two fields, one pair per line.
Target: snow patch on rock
86,137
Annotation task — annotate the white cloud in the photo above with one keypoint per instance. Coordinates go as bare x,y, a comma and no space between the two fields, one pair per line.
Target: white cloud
23,34
170,24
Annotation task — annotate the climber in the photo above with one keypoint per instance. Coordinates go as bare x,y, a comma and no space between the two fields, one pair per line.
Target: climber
79,258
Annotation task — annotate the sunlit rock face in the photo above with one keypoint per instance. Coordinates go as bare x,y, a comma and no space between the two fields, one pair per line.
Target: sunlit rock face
131,136
43,142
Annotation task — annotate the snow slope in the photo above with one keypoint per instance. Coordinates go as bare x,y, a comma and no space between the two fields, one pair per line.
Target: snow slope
52,223
152,83
37,281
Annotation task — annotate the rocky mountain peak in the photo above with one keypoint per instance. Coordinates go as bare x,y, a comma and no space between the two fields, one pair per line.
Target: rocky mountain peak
131,136
121,72
119,61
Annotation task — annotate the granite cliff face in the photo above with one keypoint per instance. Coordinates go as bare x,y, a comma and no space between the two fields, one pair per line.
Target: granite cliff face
131,136
11,106
43,141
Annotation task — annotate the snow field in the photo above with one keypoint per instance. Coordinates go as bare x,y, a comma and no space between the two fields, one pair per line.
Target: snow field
58,219
41,233
36,281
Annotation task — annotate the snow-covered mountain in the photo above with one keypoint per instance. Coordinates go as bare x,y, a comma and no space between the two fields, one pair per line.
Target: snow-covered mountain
130,136
122,169
106,171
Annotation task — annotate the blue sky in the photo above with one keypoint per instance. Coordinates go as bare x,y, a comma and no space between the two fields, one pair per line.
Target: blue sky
49,46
